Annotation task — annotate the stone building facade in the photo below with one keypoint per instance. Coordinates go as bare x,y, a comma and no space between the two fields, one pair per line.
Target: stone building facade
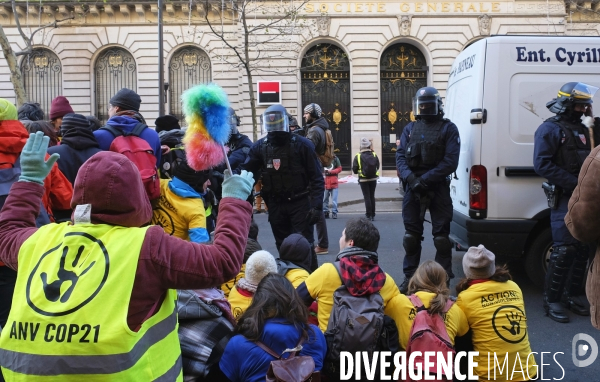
362,62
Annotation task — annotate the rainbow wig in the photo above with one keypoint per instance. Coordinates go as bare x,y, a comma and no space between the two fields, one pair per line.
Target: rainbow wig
206,110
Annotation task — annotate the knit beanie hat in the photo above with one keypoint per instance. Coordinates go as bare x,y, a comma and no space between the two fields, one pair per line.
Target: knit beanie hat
260,264
74,120
59,107
166,123
479,263
126,99
8,111
313,108
365,143
193,178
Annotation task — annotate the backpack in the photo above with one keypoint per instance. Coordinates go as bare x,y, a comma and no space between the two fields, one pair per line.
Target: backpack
326,157
428,333
355,324
8,176
140,153
291,369
368,164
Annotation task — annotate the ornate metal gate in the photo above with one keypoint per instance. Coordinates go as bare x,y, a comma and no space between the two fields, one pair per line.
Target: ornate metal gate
326,81
115,69
189,66
42,77
403,72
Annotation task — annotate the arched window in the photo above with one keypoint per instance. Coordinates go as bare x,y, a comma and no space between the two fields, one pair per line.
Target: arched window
326,81
42,77
403,71
189,66
115,69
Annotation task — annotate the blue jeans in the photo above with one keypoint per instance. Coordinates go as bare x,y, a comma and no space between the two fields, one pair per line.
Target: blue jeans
333,193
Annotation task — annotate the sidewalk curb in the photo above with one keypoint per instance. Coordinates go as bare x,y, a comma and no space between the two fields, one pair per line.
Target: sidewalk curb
358,201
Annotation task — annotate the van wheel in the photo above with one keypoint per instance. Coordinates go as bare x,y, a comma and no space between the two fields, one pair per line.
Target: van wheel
538,256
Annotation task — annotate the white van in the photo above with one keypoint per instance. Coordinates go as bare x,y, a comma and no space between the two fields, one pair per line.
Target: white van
497,92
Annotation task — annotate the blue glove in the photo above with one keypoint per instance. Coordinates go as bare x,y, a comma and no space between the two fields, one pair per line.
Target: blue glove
237,186
34,167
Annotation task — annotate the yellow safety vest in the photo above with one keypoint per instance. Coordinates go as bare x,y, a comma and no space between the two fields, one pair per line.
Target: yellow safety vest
68,321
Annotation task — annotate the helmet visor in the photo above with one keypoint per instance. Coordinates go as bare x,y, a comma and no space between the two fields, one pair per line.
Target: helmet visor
275,121
581,93
425,105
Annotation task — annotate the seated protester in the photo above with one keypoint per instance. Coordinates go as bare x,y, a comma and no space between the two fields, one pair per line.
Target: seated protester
146,266
46,128
429,285
259,265
180,208
359,267
294,259
252,246
205,327
278,319
494,307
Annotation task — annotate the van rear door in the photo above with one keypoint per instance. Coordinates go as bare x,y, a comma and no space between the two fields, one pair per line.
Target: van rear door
464,95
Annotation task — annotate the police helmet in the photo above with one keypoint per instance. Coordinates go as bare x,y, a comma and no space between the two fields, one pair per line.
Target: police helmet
234,121
293,121
275,118
570,94
427,102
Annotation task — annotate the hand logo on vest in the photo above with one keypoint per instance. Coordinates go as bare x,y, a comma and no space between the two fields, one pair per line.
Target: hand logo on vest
52,290
506,322
80,261
515,321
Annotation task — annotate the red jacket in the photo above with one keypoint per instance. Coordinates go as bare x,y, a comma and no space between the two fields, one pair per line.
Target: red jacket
331,176
109,182
58,190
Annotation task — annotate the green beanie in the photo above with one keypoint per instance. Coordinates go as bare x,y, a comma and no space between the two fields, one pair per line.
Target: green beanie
8,111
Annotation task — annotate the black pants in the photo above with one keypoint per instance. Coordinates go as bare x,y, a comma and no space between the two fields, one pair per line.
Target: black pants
288,217
368,191
322,236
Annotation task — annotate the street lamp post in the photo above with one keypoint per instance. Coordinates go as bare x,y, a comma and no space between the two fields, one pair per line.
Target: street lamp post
161,76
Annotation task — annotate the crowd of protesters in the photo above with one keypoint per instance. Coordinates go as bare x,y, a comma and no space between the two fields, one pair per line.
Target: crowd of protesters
184,287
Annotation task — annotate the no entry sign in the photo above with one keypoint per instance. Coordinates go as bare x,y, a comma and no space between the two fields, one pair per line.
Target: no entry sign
269,92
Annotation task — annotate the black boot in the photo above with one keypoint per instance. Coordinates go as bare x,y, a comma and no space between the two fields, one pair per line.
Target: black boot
556,275
555,311
574,296
404,286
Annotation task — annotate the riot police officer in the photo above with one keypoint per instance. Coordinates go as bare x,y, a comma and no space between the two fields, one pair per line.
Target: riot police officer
292,183
561,145
426,157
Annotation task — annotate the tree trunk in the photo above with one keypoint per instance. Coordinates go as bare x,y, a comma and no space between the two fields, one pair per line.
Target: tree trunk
249,75
15,71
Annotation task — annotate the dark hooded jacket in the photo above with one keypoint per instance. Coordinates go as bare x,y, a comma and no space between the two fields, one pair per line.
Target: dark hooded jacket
294,252
77,145
111,184
316,134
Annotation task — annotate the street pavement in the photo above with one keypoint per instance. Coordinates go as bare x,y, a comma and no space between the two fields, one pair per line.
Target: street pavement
545,335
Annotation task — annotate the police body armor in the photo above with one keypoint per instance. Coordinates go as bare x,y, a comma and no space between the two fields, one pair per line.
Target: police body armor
425,148
575,147
282,175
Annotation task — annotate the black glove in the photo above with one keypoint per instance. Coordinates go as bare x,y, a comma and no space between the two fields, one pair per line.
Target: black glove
313,216
416,184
